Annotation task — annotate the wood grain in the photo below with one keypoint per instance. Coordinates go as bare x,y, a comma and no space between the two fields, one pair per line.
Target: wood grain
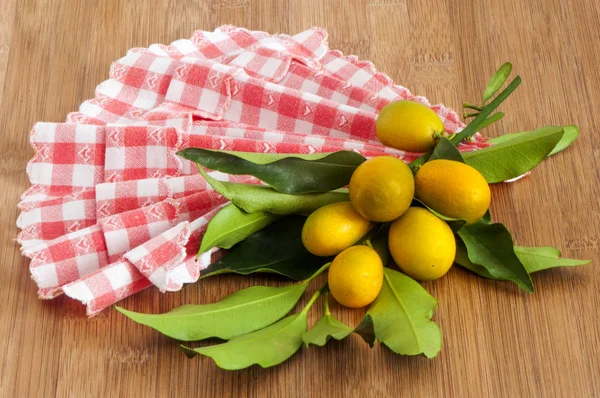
498,341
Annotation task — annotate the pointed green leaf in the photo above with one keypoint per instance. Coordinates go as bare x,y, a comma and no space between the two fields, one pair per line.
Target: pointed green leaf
570,134
366,330
491,246
491,120
445,149
276,249
326,328
267,347
513,157
256,198
487,217
497,81
462,258
232,225
401,316
454,223
287,173
475,124
540,258
241,312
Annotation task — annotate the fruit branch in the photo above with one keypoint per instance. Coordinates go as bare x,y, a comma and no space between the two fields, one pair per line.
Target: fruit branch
476,123
319,272
487,110
311,301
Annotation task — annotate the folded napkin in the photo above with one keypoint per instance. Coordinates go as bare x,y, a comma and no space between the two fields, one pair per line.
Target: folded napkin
113,210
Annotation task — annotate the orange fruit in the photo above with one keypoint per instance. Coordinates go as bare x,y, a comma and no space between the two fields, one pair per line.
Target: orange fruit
453,189
382,188
421,244
333,228
356,276
409,126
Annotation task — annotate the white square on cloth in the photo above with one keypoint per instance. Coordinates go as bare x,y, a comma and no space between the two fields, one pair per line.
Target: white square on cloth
83,175
118,277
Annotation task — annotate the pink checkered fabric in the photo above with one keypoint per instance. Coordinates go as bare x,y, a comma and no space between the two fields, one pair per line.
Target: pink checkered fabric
66,259
167,261
113,210
68,158
51,218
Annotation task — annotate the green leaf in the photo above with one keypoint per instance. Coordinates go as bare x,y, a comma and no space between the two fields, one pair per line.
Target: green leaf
326,328
514,157
540,258
267,347
241,312
454,223
401,316
276,249
497,81
534,259
380,244
491,246
289,173
256,198
490,120
570,134
462,258
366,330
476,123
232,225
487,217
445,149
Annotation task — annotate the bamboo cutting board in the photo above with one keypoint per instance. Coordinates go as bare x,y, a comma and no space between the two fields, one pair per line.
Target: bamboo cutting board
498,341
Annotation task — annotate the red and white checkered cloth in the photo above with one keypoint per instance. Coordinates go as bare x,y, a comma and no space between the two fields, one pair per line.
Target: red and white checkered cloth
113,210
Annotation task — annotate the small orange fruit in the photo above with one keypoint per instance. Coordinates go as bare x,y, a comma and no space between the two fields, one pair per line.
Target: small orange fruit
382,188
409,126
421,244
453,189
356,276
333,228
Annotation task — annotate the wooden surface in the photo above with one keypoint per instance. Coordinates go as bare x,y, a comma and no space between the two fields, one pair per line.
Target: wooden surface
498,341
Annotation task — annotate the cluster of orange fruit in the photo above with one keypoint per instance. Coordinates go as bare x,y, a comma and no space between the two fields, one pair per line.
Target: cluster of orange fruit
382,190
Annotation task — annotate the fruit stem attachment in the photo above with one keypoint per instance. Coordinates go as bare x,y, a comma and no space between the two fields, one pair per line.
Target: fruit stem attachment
476,123
440,134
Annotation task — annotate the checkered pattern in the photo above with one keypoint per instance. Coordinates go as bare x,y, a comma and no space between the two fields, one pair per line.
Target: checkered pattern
216,91
123,232
63,260
51,218
113,210
107,286
160,261
135,153
70,257
68,158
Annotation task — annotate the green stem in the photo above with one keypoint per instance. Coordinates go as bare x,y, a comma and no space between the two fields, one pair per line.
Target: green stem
316,274
487,110
468,115
311,301
466,105
473,127
326,301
